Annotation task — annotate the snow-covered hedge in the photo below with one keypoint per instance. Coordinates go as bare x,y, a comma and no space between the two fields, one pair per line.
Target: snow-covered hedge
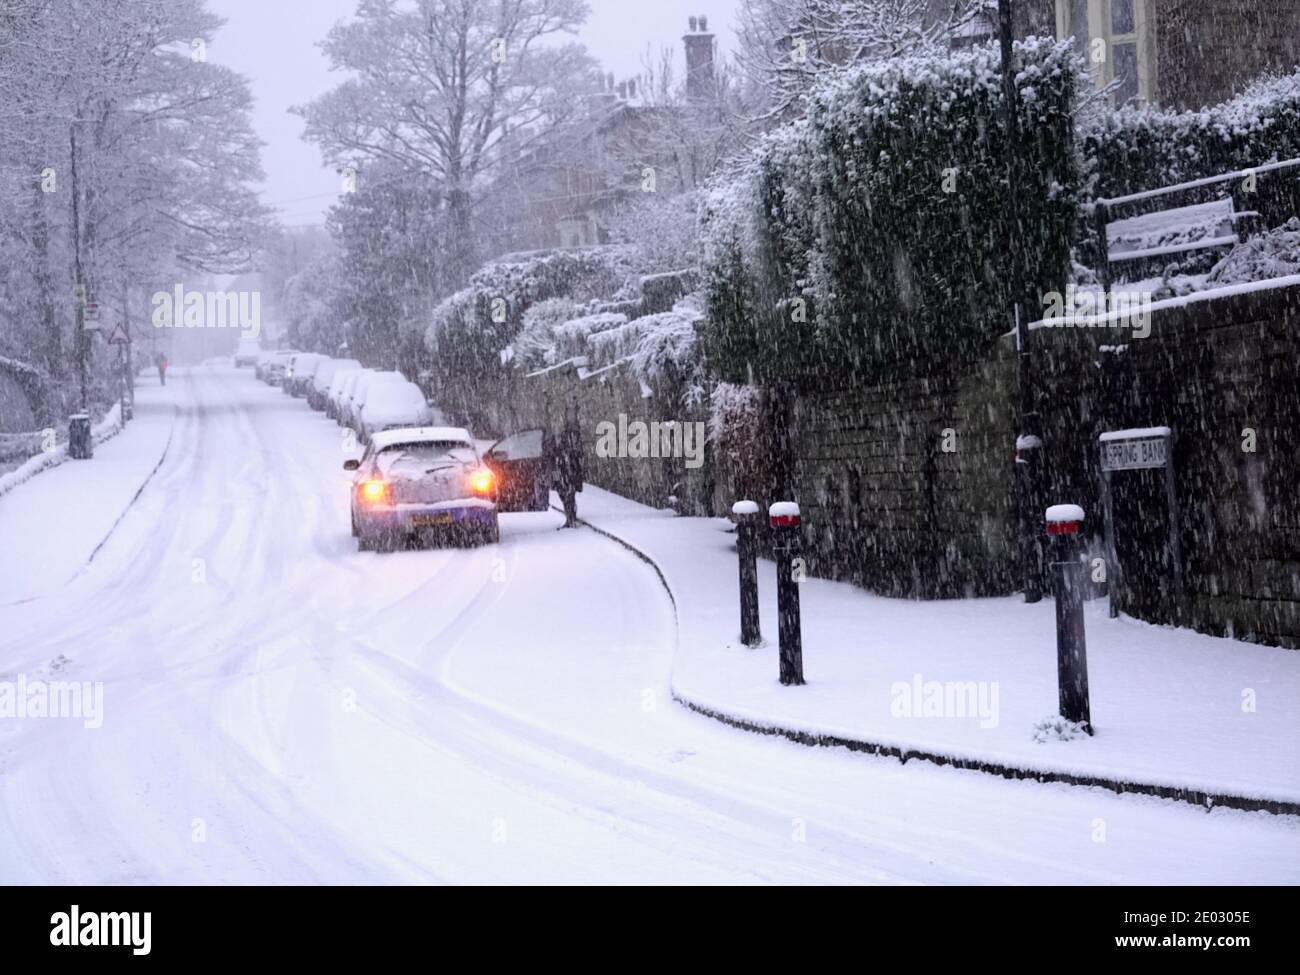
535,345
665,357
866,237
571,337
471,333
1134,149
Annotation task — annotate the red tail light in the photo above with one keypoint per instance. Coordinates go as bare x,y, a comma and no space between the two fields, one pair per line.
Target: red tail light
482,481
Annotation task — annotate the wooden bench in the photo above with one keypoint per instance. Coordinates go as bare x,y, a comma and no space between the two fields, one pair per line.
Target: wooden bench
1125,226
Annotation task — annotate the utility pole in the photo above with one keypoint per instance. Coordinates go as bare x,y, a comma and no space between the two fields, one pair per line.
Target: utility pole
78,288
1028,433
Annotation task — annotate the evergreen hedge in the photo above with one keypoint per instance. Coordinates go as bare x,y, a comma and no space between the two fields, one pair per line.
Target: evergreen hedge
1134,149
843,217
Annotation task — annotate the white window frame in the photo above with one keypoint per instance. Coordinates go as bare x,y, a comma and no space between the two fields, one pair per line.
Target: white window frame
1143,36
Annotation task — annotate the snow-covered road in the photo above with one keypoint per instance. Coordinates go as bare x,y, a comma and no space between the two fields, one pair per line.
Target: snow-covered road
281,708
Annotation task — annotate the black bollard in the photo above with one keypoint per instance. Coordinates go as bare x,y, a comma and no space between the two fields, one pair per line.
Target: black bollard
1071,645
746,517
784,519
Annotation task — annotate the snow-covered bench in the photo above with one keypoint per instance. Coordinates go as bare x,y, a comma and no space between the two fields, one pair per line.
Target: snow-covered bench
1154,231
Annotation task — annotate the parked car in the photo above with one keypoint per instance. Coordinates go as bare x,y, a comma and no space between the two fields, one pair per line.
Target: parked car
389,406
344,395
413,482
276,364
246,352
524,471
301,369
343,378
319,387
263,360
352,405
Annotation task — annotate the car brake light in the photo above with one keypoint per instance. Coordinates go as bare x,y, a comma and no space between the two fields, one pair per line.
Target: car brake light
481,481
374,491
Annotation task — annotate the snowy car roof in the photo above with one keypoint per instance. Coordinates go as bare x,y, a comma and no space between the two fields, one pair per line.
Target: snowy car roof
415,434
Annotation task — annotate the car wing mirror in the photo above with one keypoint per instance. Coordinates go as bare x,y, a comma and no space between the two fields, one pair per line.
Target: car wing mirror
351,465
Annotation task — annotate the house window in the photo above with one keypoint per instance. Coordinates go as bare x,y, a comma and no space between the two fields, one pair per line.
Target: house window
1117,40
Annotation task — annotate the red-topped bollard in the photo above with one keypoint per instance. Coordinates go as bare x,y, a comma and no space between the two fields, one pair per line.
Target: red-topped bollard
745,514
784,520
1063,521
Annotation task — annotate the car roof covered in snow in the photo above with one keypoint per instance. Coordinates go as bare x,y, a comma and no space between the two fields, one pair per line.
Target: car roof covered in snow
416,434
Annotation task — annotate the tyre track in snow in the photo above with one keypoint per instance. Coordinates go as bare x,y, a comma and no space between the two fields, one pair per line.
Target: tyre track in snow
228,701
138,587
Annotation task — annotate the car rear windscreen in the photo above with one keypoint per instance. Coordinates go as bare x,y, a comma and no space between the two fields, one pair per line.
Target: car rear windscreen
424,456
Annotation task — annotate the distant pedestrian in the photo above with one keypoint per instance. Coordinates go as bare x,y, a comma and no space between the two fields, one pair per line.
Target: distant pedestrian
568,468
162,368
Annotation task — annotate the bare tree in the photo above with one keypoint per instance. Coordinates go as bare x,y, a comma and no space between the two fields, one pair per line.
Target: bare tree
785,44
163,145
438,83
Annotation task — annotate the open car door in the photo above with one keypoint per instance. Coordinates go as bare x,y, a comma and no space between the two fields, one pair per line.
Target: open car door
522,466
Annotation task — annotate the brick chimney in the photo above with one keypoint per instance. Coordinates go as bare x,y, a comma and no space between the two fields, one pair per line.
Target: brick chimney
699,58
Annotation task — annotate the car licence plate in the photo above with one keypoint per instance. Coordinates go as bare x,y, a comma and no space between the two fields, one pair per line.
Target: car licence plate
429,521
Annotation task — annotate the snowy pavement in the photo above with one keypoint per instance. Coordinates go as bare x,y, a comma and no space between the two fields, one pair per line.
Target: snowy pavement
281,708
1170,707
52,523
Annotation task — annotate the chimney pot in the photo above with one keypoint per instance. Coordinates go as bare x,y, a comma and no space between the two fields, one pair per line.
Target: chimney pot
693,22
704,22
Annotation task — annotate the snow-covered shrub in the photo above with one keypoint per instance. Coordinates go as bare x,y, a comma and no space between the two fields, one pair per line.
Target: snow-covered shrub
735,418
866,238
534,347
664,229
571,336
1140,148
471,334
741,444
609,345
665,357
523,279
660,291
1057,728
909,173
1272,255
730,332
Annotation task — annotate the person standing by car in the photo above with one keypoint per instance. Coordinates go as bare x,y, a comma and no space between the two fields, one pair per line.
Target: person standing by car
162,368
568,468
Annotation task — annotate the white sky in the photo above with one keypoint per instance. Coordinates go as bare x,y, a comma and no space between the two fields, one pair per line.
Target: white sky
273,44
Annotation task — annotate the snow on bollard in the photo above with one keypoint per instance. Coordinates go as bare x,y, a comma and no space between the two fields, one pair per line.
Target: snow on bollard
745,514
783,516
1063,521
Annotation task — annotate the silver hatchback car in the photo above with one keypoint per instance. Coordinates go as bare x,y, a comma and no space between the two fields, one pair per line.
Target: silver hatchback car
417,482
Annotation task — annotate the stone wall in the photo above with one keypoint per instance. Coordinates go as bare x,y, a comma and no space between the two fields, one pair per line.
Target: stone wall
906,487
1224,375
604,396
